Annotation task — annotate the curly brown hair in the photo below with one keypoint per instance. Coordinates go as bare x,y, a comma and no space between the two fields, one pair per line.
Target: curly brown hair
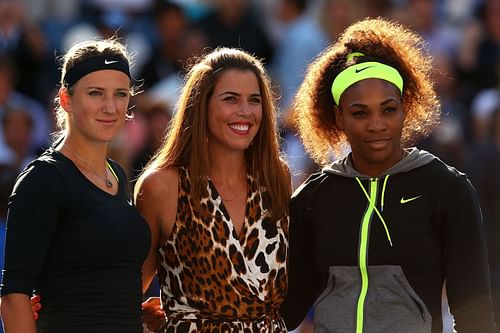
379,40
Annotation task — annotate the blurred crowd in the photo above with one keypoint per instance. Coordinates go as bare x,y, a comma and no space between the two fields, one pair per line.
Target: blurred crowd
462,35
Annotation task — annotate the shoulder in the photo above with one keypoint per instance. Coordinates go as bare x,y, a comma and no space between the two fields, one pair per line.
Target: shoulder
447,178
157,184
45,178
447,173
156,198
46,169
310,185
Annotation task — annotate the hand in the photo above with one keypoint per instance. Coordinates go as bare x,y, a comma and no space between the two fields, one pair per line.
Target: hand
36,306
153,316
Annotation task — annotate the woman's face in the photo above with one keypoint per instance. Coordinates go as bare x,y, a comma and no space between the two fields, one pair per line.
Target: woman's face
234,111
98,106
371,116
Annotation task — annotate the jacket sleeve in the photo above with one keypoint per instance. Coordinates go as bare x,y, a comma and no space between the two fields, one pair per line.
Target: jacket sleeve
467,273
304,280
33,214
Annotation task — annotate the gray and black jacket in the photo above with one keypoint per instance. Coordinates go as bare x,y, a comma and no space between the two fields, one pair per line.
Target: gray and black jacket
372,254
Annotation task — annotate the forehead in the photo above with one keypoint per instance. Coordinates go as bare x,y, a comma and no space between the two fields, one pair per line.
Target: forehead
106,78
237,80
370,89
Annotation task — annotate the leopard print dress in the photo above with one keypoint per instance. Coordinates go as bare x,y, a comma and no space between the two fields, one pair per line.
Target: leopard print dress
213,280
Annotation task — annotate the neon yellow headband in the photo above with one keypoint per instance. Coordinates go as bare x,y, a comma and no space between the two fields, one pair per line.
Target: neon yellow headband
363,71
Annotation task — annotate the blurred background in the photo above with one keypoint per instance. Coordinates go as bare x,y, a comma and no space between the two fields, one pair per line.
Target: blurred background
462,35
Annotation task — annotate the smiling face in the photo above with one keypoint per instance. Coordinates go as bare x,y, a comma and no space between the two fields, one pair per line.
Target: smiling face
371,115
234,111
98,105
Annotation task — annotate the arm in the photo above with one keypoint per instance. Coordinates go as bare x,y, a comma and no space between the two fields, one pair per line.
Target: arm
152,314
156,199
467,276
32,219
17,315
304,281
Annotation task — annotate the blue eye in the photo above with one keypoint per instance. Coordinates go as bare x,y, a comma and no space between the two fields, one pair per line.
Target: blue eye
94,93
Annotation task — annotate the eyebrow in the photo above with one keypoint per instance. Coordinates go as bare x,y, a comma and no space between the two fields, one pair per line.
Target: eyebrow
100,88
390,99
233,93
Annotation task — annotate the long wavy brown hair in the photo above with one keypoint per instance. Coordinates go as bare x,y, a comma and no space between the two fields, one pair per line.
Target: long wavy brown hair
379,40
186,140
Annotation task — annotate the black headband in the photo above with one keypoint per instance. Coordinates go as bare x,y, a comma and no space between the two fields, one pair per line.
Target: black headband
93,64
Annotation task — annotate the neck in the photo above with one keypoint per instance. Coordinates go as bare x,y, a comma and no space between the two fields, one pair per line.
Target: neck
374,169
228,174
94,154
228,170
93,162
91,155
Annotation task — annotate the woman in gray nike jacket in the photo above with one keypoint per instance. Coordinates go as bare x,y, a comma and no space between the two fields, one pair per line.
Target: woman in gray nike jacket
376,235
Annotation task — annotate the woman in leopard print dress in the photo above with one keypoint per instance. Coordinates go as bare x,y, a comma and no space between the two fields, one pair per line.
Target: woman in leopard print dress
216,199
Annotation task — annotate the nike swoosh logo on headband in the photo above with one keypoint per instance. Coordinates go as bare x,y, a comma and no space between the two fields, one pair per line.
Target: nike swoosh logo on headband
109,62
357,70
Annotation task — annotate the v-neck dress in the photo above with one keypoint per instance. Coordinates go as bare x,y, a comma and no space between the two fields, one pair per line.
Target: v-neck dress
213,280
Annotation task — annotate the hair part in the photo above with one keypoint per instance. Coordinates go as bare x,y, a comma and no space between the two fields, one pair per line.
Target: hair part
186,140
379,40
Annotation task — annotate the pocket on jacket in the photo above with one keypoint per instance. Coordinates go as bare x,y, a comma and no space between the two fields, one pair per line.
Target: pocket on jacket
335,308
391,305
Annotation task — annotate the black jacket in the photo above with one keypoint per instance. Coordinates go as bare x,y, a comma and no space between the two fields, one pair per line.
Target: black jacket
374,253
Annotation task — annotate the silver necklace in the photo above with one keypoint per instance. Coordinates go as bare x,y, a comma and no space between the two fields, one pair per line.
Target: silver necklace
107,181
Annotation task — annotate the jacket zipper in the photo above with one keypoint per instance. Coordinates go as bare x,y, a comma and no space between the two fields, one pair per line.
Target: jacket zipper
363,252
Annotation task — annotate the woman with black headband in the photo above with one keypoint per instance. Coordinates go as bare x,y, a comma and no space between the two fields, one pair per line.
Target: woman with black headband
73,235
375,235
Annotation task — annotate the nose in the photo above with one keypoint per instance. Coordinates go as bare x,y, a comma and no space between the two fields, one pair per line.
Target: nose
109,105
376,123
244,109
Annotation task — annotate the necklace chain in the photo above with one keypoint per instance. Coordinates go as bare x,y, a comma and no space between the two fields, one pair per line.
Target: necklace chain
107,181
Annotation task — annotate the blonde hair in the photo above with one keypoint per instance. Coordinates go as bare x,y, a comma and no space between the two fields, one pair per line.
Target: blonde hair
379,40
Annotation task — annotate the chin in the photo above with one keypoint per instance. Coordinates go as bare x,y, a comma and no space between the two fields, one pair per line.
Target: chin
107,138
384,157
241,145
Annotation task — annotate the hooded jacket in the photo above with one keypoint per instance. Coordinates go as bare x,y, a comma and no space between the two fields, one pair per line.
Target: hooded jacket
372,254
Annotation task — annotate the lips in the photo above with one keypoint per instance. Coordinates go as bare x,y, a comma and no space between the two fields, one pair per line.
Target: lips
106,122
378,143
240,128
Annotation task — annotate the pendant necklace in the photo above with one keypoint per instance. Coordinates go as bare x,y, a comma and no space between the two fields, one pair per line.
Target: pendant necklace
107,181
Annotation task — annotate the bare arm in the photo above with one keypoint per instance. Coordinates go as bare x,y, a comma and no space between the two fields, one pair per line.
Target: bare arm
17,315
156,199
